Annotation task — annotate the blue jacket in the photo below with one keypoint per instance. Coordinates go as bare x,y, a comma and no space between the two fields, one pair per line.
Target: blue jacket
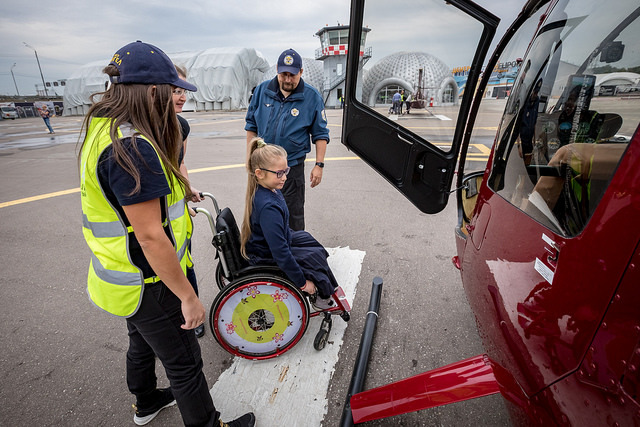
270,240
292,123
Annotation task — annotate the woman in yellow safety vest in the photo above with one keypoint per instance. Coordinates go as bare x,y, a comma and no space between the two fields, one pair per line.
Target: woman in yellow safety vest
136,224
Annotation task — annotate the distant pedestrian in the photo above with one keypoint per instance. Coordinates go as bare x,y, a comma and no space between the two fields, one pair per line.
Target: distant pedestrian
46,114
396,102
402,99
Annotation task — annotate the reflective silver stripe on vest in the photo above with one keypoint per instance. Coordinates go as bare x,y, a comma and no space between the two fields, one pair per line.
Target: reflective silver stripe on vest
124,278
104,229
176,210
115,277
183,249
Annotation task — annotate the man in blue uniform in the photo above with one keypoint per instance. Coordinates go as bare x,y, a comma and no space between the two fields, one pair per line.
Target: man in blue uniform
288,112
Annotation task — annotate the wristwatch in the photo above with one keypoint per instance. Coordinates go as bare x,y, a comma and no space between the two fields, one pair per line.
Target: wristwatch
320,164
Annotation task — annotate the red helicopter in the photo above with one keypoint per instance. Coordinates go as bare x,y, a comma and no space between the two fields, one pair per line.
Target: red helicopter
547,248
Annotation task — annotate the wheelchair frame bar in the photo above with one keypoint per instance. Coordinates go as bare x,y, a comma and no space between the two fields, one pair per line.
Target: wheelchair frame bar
212,224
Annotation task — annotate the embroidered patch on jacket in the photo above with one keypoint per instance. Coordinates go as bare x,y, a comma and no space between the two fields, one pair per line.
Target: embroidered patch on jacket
295,112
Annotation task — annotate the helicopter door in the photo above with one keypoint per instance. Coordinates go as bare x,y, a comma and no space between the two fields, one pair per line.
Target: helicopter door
411,72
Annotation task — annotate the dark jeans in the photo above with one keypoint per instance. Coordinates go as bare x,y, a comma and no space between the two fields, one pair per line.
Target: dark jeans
155,331
293,192
46,122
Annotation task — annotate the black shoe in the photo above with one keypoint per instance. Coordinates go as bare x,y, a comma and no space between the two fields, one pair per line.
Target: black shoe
247,420
145,415
199,330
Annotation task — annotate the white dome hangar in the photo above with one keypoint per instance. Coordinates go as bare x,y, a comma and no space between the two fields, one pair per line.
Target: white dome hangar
401,71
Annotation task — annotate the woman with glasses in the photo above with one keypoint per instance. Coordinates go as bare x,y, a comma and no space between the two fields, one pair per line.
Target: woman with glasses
266,237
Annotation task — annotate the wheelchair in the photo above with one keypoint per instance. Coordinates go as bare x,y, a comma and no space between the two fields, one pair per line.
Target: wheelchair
259,313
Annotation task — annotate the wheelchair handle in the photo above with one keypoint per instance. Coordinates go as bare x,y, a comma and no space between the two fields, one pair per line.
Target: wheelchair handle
213,199
212,222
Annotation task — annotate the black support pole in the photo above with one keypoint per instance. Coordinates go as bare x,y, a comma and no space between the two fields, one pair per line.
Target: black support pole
362,359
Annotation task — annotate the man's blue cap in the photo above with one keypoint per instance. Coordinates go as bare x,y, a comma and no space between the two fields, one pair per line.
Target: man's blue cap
289,62
144,63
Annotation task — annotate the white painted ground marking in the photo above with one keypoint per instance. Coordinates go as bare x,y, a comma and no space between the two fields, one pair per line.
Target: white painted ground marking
290,390
441,117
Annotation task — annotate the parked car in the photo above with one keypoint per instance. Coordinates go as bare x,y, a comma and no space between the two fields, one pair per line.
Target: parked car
9,113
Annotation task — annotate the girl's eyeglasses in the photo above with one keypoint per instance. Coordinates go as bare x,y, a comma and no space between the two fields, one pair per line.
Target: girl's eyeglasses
180,92
280,173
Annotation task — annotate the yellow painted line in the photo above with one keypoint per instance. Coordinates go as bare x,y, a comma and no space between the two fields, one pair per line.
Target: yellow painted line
470,156
191,171
216,168
213,122
335,158
241,165
40,197
494,128
482,148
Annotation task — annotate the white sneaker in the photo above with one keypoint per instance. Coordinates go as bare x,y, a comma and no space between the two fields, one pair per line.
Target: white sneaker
323,303
145,415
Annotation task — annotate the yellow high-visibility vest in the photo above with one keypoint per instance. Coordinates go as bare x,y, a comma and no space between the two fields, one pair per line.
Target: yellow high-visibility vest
114,284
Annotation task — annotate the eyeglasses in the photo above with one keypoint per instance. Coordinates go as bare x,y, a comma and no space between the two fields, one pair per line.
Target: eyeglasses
180,92
280,173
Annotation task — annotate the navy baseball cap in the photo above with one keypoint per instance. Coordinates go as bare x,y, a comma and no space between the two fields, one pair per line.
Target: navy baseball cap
289,62
144,63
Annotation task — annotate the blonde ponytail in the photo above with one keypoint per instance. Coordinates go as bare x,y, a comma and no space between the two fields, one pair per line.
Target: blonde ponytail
261,155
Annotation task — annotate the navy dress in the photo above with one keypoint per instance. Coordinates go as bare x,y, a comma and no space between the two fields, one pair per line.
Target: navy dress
296,253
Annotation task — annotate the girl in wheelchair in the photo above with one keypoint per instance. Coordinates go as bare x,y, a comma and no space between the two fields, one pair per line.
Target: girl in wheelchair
266,237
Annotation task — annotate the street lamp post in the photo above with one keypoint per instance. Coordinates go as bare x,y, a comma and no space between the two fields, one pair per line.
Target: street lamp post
14,79
39,68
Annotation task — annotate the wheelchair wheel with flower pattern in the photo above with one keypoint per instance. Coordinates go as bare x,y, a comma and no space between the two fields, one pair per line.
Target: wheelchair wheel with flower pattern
259,316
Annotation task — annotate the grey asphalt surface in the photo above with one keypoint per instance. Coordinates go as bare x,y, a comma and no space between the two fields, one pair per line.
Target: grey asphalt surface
62,359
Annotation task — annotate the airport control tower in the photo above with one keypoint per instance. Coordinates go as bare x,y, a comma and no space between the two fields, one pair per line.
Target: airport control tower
334,43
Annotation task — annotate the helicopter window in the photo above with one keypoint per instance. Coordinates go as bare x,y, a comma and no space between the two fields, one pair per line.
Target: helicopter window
411,52
574,106
497,94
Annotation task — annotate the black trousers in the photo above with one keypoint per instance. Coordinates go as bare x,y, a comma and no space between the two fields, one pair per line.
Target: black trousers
293,192
155,331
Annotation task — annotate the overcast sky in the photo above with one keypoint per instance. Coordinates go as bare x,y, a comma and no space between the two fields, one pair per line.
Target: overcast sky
71,33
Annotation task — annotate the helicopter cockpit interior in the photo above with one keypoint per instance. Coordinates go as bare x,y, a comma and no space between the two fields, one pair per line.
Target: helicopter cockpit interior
570,115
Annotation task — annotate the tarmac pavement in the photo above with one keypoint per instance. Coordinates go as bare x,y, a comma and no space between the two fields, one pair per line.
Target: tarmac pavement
63,359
